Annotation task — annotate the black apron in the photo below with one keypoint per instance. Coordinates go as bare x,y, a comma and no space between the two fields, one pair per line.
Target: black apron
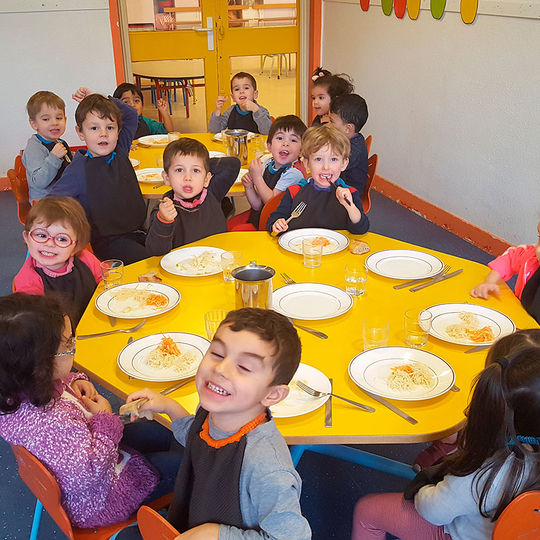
242,121
530,297
142,129
49,145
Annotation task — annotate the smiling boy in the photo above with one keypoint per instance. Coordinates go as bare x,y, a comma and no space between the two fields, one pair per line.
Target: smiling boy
237,479
246,114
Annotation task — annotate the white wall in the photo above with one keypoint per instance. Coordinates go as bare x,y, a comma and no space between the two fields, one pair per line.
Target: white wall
50,49
454,109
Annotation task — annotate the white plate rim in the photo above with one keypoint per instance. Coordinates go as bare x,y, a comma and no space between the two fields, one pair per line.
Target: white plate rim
373,256
332,288
148,286
219,136
134,162
467,307
134,344
440,392
316,402
240,174
342,240
148,170
147,140
200,249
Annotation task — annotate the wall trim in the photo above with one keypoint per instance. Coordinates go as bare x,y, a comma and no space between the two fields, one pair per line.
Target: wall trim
452,223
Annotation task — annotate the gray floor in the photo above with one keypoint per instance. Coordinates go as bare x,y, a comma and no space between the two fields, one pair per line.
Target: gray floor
330,486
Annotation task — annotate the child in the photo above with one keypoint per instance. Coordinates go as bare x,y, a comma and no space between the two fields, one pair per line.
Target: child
520,260
103,180
498,458
325,88
326,150
237,479
131,95
46,155
285,169
60,418
349,113
246,114
56,233
192,209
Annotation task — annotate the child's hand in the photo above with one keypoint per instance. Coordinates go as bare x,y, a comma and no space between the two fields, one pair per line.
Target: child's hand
220,102
344,196
206,531
256,167
485,289
247,181
167,211
280,226
97,404
250,106
81,93
163,106
81,388
59,150
157,403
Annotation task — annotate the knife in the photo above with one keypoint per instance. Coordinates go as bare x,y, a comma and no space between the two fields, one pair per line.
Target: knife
393,408
443,272
328,407
442,278
477,348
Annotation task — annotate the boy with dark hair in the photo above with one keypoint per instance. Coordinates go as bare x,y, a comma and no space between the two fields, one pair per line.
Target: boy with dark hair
46,155
131,95
349,114
246,114
236,479
192,209
102,178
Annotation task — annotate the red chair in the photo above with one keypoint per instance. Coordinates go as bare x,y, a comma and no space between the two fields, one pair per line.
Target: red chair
372,168
369,140
154,526
19,187
520,519
44,486
268,208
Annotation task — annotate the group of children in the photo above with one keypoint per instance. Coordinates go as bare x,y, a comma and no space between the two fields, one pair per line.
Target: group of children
236,478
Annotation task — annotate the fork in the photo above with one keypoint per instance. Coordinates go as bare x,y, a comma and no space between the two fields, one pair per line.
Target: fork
288,280
295,213
416,281
110,332
316,393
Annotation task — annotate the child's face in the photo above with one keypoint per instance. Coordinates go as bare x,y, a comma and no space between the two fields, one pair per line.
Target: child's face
51,245
187,175
64,362
242,91
320,98
133,100
285,147
49,123
337,121
234,379
326,166
99,134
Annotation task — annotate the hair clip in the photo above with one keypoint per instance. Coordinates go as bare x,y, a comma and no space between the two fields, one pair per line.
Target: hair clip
319,72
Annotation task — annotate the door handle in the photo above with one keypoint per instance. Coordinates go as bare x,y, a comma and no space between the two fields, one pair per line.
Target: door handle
210,32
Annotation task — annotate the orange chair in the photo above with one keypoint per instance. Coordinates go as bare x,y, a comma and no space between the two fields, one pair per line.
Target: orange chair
520,519
369,140
44,486
268,208
372,168
154,526
19,187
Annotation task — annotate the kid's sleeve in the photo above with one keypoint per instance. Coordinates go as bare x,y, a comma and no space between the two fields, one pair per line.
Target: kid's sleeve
224,174
363,225
155,127
282,211
290,177
40,164
159,239
219,123
130,119
509,263
263,120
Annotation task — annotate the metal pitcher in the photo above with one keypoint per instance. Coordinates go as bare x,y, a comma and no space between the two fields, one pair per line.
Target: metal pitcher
236,141
253,285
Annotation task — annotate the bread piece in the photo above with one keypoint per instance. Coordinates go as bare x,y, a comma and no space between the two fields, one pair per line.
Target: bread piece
358,247
132,408
152,276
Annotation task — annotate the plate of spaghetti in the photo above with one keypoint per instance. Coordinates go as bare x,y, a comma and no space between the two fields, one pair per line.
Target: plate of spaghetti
171,356
469,324
402,373
137,300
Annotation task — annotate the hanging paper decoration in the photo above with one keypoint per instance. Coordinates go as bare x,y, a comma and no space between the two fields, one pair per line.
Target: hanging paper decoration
399,8
468,10
413,9
364,4
387,6
437,8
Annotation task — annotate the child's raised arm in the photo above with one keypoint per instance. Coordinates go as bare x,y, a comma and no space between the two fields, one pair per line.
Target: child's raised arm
488,286
163,108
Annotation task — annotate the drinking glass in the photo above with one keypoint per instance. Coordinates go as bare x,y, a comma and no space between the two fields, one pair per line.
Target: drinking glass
229,261
312,251
355,279
417,327
376,331
212,320
159,161
112,271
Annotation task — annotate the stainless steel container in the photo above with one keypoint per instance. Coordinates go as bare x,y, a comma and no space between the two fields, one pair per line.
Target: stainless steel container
253,285
237,146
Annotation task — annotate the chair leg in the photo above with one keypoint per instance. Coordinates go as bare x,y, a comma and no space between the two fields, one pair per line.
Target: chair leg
36,521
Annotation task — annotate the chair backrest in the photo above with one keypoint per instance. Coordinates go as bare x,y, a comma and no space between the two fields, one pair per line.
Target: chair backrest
369,140
154,526
44,486
19,187
268,208
372,168
520,519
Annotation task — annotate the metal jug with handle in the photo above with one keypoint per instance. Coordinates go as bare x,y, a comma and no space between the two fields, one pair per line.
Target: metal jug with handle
253,285
237,146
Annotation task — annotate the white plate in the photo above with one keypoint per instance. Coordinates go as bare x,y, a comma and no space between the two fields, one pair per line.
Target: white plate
311,301
154,140
240,174
292,240
370,369
299,402
171,261
149,176
219,136
404,264
214,154
443,315
108,304
132,358
134,162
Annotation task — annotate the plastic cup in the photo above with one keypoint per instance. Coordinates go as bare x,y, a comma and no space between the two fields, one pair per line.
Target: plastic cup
112,271
212,320
376,332
312,253
229,261
417,327
355,279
